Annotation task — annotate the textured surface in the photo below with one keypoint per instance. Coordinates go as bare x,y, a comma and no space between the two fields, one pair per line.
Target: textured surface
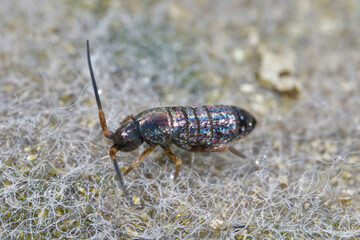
293,64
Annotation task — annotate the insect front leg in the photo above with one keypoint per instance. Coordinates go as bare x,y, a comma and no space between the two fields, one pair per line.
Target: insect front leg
175,159
139,159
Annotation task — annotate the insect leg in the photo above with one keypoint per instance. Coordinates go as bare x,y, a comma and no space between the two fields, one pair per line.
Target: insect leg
175,159
139,159
236,152
112,152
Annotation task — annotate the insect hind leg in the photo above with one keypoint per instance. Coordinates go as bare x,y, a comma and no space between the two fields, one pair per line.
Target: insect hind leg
175,159
236,152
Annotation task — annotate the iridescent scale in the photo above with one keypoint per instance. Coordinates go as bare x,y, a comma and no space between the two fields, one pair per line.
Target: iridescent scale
196,126
197,129
205,125
224,123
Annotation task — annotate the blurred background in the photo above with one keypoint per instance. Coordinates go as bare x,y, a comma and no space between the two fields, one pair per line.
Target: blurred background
293,64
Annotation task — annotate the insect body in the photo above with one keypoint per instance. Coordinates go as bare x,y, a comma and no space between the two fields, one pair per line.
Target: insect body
196,129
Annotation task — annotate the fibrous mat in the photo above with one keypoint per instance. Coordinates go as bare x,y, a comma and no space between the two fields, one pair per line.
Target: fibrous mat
293,64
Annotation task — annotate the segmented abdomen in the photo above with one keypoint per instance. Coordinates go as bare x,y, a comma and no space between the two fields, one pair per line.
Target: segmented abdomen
204,125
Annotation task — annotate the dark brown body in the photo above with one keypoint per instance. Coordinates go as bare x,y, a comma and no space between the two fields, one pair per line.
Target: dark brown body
195,128
204,128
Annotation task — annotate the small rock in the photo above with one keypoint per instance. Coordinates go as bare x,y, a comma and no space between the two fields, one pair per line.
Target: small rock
217,224
276,71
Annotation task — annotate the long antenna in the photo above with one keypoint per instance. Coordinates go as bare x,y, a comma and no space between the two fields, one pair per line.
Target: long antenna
121,179
107,133
93,77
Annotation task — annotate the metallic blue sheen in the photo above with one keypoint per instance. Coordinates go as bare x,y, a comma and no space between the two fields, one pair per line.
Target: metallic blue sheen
191,128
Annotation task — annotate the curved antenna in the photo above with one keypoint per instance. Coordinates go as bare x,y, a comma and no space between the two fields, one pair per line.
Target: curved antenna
107,133
112,152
